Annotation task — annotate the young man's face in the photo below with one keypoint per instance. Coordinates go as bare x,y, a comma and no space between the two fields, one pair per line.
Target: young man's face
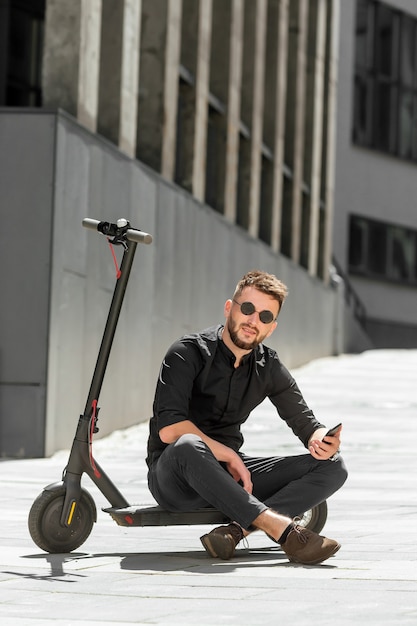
248,331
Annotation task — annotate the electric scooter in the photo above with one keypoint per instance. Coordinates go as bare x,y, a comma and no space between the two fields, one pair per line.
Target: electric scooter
62,516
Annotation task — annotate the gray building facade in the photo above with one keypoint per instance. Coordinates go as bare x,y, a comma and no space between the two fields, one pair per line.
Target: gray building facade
58,287
211,124
375,223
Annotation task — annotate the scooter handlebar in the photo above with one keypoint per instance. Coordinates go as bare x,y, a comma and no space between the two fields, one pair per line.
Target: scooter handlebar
110,229
138,235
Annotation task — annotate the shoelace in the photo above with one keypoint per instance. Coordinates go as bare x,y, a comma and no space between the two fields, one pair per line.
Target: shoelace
236,531
237,534
300,532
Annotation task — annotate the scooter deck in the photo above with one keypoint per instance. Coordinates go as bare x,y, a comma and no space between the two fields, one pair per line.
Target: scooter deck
157,516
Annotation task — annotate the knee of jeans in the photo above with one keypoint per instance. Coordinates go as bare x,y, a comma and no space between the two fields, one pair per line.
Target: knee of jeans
189,443
340,472
188,449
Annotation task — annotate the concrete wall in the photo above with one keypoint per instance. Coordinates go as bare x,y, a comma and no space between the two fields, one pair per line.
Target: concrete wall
58,289
26,209
375,185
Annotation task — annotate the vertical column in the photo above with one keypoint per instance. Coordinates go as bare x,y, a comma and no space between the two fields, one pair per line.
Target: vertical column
172,61
150,118
257,117
281,89
233,110
110,69
89,63
217,109
186,95
299,104
4,48
315,113
201,94
268,123
330,137
119,72
71,58
130,76
246,113
61,55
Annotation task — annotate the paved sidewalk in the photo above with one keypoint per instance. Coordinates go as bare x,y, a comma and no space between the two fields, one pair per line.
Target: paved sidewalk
162,576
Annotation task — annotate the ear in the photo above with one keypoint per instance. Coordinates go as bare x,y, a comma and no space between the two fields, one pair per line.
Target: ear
227,307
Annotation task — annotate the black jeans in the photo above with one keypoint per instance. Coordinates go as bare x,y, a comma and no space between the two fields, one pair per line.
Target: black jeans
187,476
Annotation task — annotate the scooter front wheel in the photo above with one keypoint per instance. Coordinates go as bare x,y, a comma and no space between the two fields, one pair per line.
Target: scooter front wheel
314,519
45,525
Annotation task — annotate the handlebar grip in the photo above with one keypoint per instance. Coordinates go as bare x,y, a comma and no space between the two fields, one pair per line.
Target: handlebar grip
88,222
139,236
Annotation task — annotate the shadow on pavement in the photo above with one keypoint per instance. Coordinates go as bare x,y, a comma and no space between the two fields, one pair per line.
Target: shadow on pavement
166,562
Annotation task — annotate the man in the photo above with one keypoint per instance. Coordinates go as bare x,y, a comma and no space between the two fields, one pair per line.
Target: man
208,384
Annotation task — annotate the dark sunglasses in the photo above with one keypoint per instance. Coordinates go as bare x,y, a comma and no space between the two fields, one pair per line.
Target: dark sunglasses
248,308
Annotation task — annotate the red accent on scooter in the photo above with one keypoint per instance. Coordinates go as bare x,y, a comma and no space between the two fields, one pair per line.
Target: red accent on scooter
118,272
92,425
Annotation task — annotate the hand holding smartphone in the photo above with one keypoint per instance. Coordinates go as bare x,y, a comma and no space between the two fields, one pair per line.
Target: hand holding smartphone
332,432
316,450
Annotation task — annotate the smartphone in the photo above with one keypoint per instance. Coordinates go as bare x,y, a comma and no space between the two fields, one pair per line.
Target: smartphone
333,431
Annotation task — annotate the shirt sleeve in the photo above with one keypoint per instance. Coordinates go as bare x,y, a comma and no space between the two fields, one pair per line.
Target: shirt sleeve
290,404
179,369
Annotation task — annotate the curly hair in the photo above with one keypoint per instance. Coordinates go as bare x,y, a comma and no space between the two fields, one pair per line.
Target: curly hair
267,283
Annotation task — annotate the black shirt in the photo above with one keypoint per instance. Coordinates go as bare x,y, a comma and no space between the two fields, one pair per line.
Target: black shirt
199,382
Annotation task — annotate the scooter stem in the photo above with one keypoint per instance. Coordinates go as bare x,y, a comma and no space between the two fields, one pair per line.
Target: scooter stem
111,324
79,459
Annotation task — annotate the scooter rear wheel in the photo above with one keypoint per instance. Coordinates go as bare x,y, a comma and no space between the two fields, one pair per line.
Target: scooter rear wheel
45,526
315,518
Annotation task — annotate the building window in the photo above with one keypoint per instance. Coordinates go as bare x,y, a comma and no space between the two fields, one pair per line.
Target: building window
385,89
21,48
382,251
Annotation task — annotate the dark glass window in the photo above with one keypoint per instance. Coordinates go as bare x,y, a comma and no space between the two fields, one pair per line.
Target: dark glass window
357,244
385,83
382,251
22,49
386,42
377,248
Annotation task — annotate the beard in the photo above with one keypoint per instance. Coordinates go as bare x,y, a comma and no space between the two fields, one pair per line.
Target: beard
243,345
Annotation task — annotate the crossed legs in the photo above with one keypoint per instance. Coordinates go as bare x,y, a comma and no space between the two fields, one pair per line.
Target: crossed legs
187,476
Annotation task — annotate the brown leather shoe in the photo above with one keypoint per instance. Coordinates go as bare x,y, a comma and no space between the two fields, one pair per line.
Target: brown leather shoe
307,547
222,541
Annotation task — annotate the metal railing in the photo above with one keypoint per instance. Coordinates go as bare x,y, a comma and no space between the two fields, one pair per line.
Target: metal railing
351,297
